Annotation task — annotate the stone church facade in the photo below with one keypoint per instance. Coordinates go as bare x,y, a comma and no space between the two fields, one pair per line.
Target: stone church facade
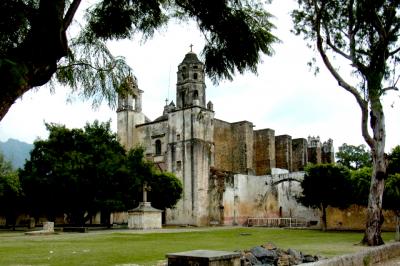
224,167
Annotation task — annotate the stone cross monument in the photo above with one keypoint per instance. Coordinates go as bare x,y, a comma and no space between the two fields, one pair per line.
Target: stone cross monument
144,216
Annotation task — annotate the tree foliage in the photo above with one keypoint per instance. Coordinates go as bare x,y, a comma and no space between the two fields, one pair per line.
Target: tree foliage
11,195
364,33
325,185
165,188
394,161
75,172
79,172
35,43
353,157
361,182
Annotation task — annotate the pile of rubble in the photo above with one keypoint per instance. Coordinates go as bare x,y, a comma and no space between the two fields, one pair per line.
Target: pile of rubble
270,255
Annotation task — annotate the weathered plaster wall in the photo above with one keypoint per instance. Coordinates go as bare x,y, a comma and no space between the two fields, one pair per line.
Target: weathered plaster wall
354,218
148,134
288,191
247,196
189,156
264,151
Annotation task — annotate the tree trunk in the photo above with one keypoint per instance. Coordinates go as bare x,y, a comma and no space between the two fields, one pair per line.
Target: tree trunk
372,236
323,217
397,235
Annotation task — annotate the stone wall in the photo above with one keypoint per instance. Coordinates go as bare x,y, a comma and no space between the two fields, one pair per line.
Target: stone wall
223,145
299,154
354,218
190,153
264,151
233,144
283,151
287,193
247,196
242,146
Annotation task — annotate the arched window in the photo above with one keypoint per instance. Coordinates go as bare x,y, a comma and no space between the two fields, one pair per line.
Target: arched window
158,147
194,75
195,94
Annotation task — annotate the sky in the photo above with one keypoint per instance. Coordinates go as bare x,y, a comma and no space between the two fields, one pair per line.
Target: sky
285,95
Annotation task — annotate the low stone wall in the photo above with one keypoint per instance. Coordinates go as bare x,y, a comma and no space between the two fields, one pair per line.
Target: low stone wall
354,217
367,257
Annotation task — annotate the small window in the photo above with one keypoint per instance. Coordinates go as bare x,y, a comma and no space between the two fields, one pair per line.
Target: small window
195,94
178,165
178,137
194,75
158,147
195,67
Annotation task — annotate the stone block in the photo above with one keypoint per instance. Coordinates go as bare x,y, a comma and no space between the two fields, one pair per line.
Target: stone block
204,258
48,226
144,217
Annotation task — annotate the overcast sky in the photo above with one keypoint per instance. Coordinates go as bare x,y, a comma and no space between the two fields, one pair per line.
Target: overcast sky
284,96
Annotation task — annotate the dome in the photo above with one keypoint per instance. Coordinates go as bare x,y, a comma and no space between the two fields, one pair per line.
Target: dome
191,58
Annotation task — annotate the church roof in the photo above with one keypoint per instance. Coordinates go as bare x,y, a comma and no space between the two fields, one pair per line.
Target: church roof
161,118
191,58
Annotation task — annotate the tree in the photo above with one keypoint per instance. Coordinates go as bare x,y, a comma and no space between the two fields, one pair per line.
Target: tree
394,161
325,185
34,44
10,192
76,172
166,188
361,182
392,187
365,34
392,199
353,157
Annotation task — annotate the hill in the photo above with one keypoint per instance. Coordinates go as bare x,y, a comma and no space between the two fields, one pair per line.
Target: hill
16,151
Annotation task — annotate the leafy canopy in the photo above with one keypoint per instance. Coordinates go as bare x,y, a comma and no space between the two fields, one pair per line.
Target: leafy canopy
75,171
79,172
354,157
35,42
11,195
325,185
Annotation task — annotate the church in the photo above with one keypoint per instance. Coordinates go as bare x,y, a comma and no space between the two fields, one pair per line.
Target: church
229,171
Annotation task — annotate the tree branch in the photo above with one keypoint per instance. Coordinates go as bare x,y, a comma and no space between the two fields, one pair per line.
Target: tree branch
394,88
361,102
88,65
352,29
394,51
71,13
333,47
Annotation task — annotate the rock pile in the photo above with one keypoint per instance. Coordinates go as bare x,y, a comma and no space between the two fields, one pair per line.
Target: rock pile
270,255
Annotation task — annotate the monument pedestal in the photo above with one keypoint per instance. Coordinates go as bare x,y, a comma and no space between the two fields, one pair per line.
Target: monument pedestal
144,217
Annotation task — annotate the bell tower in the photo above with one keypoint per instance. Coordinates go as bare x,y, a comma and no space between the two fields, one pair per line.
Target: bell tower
190,151
129,113
191,86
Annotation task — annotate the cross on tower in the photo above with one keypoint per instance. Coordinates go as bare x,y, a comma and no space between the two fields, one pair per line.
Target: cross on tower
191,48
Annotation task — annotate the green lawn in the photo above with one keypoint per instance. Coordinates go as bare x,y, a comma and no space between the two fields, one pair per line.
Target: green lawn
130,247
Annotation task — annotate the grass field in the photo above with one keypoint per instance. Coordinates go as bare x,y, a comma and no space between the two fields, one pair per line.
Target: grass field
124,247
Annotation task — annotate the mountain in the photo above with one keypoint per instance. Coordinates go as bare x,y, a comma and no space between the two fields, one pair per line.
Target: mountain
16,151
